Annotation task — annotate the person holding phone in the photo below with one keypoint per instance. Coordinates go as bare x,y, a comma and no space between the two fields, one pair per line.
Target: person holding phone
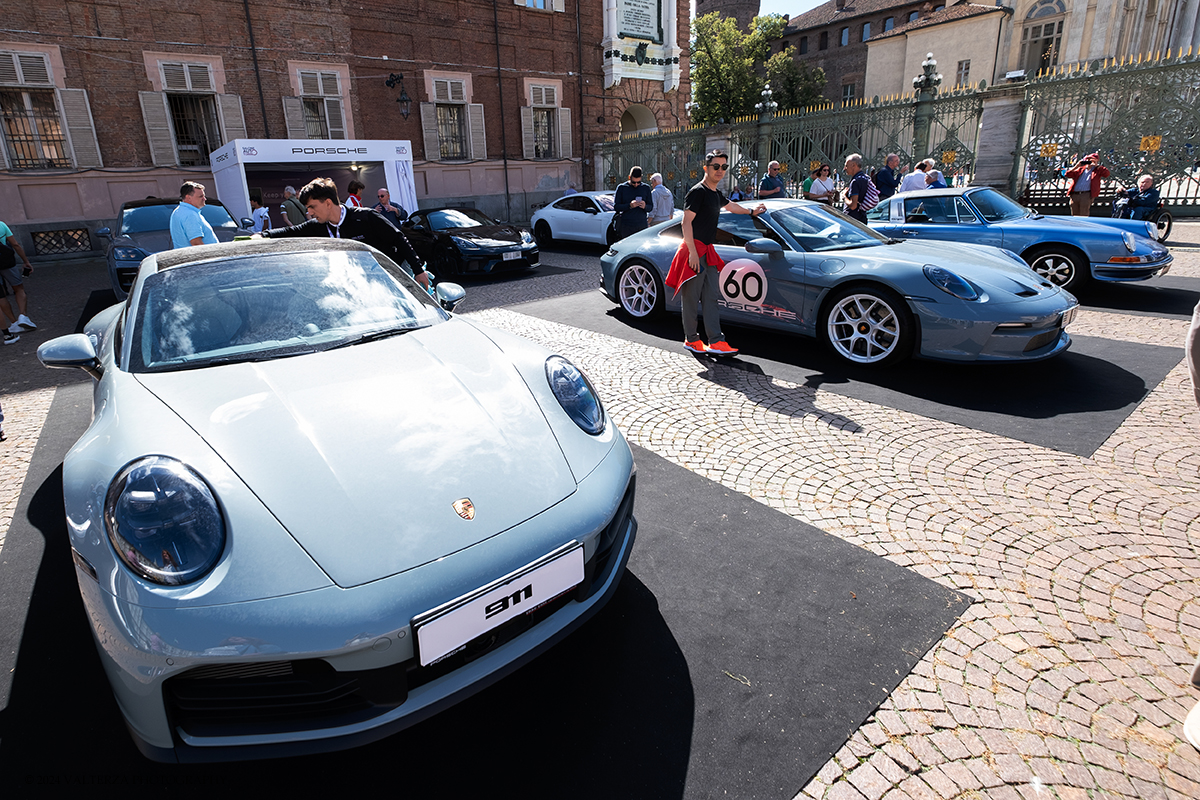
1083,184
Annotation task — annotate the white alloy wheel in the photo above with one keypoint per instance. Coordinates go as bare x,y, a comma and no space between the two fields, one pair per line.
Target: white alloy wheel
640,290
1058,267
868,326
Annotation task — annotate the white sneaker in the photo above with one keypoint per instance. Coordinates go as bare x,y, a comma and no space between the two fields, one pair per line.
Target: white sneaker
14,328
11,338
26,323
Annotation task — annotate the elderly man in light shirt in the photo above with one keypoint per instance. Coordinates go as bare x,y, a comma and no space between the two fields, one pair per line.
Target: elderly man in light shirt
664,203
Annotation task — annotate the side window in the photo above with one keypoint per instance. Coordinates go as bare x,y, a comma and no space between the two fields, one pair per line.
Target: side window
928,209
965,214
880,211
673,232
566,204
736,230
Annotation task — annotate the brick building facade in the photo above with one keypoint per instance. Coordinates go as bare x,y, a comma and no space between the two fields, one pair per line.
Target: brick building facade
104,102
833,36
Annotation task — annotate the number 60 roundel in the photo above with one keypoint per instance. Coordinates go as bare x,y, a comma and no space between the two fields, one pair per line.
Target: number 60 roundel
743,281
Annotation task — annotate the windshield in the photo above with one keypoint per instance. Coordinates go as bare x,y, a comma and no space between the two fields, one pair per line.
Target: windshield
818,228
261,307
606,202
995,207
458,218
158,218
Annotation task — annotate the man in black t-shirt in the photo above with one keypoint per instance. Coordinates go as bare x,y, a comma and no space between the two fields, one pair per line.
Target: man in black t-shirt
329,218
696,269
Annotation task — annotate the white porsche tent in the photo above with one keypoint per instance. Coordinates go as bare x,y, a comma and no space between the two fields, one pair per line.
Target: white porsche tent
240,158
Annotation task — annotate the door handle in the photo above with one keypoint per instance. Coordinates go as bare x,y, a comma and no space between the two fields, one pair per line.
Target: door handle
910,233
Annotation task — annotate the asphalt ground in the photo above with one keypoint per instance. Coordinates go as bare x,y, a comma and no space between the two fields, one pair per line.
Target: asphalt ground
975,510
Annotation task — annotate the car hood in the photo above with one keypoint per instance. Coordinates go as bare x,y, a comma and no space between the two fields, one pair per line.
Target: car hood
362,452
1002,278
483,233
158,241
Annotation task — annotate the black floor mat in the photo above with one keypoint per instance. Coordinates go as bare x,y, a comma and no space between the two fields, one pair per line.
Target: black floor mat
742,649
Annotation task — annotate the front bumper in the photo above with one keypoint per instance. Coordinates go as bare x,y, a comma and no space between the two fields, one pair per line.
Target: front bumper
476,262
1033,331
1116,273
334,668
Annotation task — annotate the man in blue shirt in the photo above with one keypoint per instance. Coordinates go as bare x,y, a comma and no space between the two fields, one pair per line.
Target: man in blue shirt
188,225
772,186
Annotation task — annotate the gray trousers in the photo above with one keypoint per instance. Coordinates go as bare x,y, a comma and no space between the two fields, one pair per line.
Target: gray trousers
702,290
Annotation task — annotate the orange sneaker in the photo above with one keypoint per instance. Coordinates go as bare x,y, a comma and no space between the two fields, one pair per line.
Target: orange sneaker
722,348
696,346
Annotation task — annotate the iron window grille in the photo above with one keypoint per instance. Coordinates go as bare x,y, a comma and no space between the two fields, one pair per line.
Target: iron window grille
197,133
452,132
33,131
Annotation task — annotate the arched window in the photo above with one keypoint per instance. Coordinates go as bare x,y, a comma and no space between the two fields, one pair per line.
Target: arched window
1041,36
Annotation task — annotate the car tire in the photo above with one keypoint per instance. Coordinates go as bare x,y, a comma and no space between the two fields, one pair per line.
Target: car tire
542,233
1163,223
640,291
1060,265
611,234
868,325
444,266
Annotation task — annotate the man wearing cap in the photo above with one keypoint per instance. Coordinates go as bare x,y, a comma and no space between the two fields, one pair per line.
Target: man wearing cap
1083,184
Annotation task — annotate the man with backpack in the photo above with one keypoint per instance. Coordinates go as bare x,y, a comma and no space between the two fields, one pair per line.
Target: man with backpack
862,194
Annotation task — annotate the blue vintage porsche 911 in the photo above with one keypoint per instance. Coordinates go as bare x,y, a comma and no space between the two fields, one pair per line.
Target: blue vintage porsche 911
1068,251
804,268
313,506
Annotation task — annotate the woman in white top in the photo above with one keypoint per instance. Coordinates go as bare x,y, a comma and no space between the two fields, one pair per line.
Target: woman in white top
822,189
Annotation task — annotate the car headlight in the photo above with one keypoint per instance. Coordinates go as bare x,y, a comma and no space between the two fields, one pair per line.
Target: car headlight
1151,231
163,521
129,253
526,237
950,283
1130,244
575,394
464,244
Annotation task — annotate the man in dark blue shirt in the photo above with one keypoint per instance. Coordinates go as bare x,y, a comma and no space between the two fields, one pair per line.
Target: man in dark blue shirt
772,186
633,202
886,179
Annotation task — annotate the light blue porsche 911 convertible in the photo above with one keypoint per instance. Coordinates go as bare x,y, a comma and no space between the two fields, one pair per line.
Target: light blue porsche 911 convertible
804,268
314,507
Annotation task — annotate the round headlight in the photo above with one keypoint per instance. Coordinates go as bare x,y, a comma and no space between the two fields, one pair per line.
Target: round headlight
950,283
163,521
1151,231
575,394
1130,243
464,244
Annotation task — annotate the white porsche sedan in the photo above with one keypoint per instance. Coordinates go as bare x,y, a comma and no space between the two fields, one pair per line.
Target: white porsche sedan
314,507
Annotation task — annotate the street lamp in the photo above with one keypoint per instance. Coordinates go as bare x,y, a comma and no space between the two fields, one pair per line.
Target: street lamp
767,107
404,100
930,77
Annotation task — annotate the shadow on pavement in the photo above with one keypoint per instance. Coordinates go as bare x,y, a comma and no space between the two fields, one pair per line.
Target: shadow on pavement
1161,297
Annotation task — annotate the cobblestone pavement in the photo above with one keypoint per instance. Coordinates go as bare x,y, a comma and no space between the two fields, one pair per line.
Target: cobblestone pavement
1068,676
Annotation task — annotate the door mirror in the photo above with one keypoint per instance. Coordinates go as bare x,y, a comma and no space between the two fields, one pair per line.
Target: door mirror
74,351
449,295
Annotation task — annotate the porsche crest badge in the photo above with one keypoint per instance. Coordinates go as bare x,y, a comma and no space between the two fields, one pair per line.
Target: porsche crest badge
465,508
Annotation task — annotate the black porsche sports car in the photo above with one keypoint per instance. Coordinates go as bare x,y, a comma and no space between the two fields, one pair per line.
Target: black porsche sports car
465,241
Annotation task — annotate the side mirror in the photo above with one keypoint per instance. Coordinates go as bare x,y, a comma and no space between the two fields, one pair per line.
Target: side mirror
764,246
104,233
73,351
591,210
246,223
449,295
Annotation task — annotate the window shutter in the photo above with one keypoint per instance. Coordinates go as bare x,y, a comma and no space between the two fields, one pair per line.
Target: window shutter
81,130
233,121
157,117
329,84
536,95
458,92
175,77
293,117
560,5
199,77
8,68
441,90
429,131
564,133
527,143
334,118
550,95
34,68
475,130
310,83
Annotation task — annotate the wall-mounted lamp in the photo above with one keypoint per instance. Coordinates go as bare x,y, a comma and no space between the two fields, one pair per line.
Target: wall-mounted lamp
404,100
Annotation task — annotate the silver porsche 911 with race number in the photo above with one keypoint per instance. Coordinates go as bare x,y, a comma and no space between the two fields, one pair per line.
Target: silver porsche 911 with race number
314,507
804,268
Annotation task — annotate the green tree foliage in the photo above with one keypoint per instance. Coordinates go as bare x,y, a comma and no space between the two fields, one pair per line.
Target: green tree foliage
730,68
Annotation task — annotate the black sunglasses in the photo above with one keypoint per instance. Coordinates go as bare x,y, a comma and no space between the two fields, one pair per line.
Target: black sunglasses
718,166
